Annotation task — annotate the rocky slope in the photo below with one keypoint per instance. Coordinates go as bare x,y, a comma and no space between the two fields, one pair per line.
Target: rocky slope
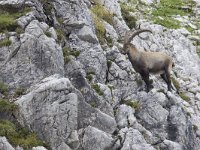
81,92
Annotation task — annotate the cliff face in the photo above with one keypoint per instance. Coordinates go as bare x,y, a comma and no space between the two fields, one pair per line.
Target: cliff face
81,92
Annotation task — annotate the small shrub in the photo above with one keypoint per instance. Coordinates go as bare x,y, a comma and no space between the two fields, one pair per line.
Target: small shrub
161,91
60,20
93,104
5,42
66,55
101,12
19,91
184,97
48,34
198,51
6,106
60,35
19,136
3,88
75,53
89,76
96,87
176,83
132,103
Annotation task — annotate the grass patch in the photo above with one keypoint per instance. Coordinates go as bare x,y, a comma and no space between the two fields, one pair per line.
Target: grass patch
185,97
176,83
167,22
130,20
5,42
19,136
8,18
102,12
19,92
3,88
6,106
96,87
100,29
48,34
167,9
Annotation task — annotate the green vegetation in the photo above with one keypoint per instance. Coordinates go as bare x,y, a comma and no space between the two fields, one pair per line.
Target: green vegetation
132,103
8,18
6,106
184,97
96,87
5,42
161,91
67,52
60,35
198,51
93,104
101,12
109,63
100,29
19,136
48,34
3,88
169,8
89,76
175,83
60,20
19,91
130,20
194,127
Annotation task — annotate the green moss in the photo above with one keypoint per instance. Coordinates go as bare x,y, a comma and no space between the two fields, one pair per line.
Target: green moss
96,87
175,83
5,42
184,97
3,88
6,106
60,20
132,103
48,34
130,20
101,12
75,53
19,91
19,136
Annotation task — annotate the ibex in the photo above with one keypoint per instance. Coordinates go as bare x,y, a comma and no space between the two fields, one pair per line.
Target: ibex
148,62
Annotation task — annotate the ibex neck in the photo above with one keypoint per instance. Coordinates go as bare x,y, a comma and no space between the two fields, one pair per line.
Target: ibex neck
133,53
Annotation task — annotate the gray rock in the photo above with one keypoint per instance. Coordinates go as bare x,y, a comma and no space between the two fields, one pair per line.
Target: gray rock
5,145
39,148
94,139
134,140
86,34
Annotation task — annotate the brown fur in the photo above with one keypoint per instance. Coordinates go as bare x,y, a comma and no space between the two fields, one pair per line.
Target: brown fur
148,62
